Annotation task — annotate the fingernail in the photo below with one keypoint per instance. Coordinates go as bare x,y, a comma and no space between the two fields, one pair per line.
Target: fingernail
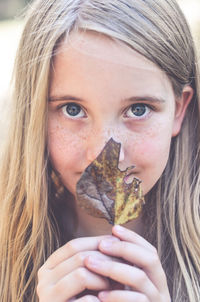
103,295
94,262
119,229
111,238
107,243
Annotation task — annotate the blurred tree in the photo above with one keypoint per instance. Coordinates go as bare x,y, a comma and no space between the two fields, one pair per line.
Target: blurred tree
9,8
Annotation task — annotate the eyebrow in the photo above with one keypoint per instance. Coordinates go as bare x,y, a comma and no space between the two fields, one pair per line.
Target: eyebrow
150,99
64,98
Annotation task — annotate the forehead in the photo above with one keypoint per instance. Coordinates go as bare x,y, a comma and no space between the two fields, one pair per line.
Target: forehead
99,46
96,57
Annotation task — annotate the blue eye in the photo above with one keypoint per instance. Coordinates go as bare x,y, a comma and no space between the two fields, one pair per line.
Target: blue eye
138,110
73,110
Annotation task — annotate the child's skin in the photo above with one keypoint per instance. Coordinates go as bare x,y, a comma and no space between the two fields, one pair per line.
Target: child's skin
106,82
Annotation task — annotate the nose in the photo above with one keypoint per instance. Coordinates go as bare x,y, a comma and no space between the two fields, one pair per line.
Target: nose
96,145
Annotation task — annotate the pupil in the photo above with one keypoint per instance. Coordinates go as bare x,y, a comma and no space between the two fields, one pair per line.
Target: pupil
138,110
73,109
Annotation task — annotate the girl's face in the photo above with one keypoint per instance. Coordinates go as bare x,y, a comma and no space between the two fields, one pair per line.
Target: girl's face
101,89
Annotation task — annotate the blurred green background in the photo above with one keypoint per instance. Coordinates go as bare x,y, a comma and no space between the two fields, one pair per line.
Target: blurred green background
11,24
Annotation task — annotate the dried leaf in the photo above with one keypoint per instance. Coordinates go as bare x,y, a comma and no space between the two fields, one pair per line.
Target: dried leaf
103,192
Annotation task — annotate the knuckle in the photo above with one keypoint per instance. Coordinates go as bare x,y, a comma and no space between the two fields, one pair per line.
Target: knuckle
41,291
52,260
141,277
58,288
154,250
81,274
40,273
79,258
41,287
155,260
71,247
152,260
38,289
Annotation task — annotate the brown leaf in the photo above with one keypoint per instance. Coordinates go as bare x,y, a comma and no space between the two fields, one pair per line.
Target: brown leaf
103,192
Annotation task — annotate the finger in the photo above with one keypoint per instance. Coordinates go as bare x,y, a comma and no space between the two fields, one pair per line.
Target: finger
72,247
118,296
81,279
73,263
88,298
130,236
125,274
140,257
73,284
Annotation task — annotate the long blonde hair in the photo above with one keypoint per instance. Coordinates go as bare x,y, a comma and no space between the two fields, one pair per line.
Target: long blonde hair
29,230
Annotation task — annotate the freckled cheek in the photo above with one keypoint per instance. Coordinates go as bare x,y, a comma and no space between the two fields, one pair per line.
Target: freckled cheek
151,152
65,148
150,155
153,143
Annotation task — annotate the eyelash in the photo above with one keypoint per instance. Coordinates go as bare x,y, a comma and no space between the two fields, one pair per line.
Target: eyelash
62,107
147,108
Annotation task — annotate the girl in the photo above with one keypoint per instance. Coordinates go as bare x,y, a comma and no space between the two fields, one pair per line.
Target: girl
86,71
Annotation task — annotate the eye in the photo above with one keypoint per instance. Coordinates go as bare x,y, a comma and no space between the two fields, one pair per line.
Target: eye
73,110
138,111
